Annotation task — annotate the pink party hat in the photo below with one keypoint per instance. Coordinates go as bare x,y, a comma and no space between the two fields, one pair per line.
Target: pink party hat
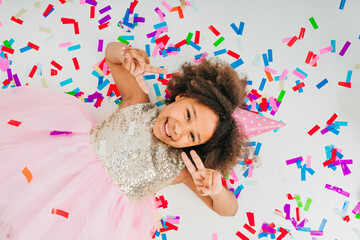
254,124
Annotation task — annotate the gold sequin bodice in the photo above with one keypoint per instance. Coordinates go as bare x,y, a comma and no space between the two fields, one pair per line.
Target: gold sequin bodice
134,158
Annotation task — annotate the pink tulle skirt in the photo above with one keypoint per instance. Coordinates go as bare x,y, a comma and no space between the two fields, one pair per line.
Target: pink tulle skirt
69,196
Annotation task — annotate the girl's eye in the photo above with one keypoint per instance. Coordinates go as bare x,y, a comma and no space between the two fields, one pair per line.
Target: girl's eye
192,137
188,115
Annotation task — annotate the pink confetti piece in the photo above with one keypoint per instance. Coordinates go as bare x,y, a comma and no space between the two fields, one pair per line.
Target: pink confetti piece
270,70
214,236
286,40
250,173
314,60
356,208
273,104
284,74
308,161
0,24
325,50
167,6
299,74
65,44
4,64
233,175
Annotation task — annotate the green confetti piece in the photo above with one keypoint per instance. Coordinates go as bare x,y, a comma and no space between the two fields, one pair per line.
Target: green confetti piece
281,96
298,201
227,175
307,205
220,40
358,215
7,44
189,37
313,23
123,41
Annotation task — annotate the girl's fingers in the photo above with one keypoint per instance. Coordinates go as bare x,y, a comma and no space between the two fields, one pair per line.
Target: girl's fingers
199,164
155,69
189,165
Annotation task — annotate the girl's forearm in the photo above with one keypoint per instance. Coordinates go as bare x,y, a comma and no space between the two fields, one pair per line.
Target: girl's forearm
225,203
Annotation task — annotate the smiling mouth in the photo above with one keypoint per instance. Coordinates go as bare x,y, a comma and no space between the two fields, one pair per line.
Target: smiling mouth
166,129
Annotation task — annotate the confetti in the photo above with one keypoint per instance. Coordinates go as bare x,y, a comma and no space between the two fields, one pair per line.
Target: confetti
60,212
345,48
27,174
313,23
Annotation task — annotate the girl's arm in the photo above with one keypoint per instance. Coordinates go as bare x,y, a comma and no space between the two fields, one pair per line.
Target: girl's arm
130,91
206,184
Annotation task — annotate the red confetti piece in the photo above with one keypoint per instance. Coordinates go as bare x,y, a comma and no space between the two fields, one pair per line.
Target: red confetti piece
297,214
14,123
62,1
302,33
242,236
197,37
132,6
345,84
60,212
250,229
33,70
48,9
104,25
216,32
53,72
251,219
67,20
283,233
313,130
55,64
179,9
33,46
289,196
233,54
19,21
309,56
297,87
332,119
179,44
8,50
292,41
92,12
76,63
76,28
346,218
163,81
26,172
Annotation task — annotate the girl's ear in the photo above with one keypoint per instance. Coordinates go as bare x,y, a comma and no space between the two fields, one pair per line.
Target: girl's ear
180,95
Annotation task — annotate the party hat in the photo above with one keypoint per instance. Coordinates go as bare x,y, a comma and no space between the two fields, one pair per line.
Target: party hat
254,124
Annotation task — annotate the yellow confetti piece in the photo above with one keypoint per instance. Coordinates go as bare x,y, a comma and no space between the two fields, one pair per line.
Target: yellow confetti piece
20,13
44,29
160,99
357,66
37,4
98,70
27,174
44,83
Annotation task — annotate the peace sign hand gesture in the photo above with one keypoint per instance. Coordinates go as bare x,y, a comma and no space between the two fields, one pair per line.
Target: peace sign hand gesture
207,181
136,61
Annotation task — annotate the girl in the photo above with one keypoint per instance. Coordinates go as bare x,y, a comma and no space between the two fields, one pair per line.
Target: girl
62,176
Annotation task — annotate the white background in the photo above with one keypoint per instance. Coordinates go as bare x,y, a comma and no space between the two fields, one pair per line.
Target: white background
266,23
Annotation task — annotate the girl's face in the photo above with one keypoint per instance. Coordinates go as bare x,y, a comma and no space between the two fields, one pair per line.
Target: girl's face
185,123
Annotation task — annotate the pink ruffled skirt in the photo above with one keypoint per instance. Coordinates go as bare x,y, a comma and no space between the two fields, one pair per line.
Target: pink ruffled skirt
54,186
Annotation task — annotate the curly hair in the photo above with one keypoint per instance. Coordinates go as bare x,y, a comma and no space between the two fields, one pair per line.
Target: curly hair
215,84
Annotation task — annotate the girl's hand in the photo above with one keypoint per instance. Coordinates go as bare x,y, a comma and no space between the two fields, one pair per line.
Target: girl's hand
207,181
137,62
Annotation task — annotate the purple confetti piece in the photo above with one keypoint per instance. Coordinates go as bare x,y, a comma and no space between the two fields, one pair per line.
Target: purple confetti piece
139,19
9,73
152,34
105,9
17,81
59,133
294,223
303,222
325,130
268,229
104,19
278,105
252,96
287,211
294,160
356,208
345,48
316,233
91,2
100,45
346,170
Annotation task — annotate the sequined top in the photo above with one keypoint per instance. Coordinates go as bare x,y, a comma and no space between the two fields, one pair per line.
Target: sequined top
138,162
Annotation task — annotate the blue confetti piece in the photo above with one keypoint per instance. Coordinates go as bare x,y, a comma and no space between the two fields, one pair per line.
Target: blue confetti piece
158,104
219,52
237,63
339,155
303,174
298,164
257,149
49,13
265,59
11,41
241,28
160,25
338,124
333,44
238,189
348,76
198,56
332,167
304,229
95,73
333,130
127,38
75,47
270,55
163,236
157,89
263,81
24,49
249,82
147,48
103,84
194,45
233,26
263,234
342,4
300,89
302,72
322,225
345,206
322,83
173,49
148,77
164,53
66,82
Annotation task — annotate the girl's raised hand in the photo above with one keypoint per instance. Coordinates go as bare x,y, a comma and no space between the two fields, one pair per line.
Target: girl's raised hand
136,61
207,181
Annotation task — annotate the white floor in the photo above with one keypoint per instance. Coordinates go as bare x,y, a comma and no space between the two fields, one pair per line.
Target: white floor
266,24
